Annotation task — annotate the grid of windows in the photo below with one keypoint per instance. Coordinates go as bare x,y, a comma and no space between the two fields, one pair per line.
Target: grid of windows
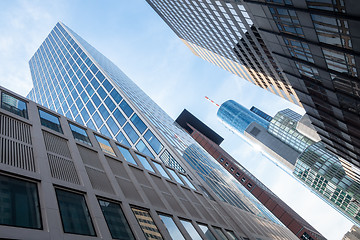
283,127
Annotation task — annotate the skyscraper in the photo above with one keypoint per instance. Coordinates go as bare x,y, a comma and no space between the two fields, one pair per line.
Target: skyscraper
208,139
222,33
317,168
316,43
73,78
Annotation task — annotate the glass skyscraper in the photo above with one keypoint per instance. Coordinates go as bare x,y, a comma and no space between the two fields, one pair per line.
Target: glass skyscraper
222,33
73,78
237,117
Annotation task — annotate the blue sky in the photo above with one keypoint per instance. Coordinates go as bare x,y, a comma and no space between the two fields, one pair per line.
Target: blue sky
137,40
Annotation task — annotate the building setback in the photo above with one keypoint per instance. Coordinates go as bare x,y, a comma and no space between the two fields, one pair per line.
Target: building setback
73,78
222,33
294,222
317,45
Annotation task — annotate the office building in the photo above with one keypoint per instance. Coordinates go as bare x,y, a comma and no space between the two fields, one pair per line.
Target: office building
209,140
316,43
327,175
73,78
222,33
353,234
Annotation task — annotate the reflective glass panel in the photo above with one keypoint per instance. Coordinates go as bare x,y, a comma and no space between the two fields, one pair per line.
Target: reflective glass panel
171,227
207,232
141,147
13,105
74,213
139,124
19,203
175,176
191,230
80,134
161,169
145,163
232,235
127,155
121,139
131,133
49,120
116,221
105,145
126,108
187,181
147,224
153,141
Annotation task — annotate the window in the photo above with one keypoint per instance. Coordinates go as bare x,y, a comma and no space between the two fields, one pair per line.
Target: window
139,124
127,155
119,117
153,141
237,174
207,232
116,221
121,139
161,169
131,133
187,181
80,134
191,230
176,177
249,185
243,179
206,193
112,125
171,227
13,105
74,213
145,163
232,169
141,147
147,224
231,234
50,121
221,160
19,203
126,108
105,145
220,234
226,164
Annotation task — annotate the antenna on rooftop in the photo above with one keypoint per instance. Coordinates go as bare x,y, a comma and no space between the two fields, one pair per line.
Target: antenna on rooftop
217,105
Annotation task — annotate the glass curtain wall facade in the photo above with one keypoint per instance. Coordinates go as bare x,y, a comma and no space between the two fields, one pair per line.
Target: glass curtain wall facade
317,45
222,33
237,117
73,78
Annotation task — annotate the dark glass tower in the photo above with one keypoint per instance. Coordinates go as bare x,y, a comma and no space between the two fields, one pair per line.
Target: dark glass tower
221,32
317,45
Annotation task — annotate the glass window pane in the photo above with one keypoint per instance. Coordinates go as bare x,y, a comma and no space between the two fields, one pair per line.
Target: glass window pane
74,213
147,224
116,221
116,96
232,235
13,105
220,233
80,134
183,177
141,147
161,170
171,227
105,145
112,125
145,163
126,108
153,141
19,203
121,139
139,124
105,131
49,120
176,177
131,133
127,155
191,230
119,117
207,232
